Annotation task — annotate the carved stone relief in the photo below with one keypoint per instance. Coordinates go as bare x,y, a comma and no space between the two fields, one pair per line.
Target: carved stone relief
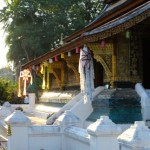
104,56
123,73
135,54
72,71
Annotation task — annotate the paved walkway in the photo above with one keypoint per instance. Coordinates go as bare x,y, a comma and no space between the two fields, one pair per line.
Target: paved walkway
37,120
39,117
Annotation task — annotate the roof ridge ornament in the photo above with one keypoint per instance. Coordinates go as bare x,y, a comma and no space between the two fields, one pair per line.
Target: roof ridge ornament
110,1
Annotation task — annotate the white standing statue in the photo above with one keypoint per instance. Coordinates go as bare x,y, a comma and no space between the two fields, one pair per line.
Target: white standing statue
86,71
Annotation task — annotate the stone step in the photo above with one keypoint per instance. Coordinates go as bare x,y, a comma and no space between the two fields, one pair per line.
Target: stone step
41,114
126,93
3,143
57,96
44,110
121,105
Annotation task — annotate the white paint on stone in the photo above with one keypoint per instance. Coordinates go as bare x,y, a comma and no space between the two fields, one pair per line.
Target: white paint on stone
17,117
103,134
44,130
136,137
77,133
67,119
4,112
145,101
103,126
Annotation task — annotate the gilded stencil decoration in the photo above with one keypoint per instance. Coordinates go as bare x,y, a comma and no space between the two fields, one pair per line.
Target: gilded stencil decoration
134,56
123,73
104,56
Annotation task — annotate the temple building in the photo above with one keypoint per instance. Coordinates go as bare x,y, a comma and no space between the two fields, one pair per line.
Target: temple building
119,42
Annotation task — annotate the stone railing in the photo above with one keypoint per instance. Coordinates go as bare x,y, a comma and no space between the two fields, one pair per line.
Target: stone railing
137,137
65,135
145,102
74,105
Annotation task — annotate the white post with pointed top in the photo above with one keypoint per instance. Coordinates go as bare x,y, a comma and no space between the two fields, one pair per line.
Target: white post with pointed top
137,137
103,134
65,120
19,124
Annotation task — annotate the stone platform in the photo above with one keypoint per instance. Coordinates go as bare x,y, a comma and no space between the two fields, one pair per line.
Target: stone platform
58,96
121,105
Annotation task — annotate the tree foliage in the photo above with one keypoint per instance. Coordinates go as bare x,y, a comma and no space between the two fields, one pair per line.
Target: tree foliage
34,26
8,91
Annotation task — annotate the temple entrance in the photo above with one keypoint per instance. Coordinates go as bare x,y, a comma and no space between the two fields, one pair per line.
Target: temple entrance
146,63
98,70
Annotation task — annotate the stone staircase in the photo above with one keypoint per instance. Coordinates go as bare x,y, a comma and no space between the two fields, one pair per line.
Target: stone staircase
72,103
52,102
58,96
44,110
3,135
122,105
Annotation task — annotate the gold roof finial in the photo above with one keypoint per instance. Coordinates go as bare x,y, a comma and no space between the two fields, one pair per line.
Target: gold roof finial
61,39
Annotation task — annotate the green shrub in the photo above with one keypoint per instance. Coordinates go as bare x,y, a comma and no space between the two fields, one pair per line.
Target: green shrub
8,92
31,88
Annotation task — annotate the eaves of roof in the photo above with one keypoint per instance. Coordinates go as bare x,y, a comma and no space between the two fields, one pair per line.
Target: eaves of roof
106,15
121,23
79,41
63,49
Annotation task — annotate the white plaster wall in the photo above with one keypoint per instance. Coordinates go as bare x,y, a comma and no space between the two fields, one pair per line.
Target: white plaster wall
125,148
19,138
100,135
104,143
50,137
44,138
76,144
54,138
76,138
45,142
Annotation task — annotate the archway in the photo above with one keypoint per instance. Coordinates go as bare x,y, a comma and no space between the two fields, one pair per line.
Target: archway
98,70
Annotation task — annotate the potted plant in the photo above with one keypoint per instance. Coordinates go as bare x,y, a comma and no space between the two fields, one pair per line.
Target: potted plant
31,88
31,95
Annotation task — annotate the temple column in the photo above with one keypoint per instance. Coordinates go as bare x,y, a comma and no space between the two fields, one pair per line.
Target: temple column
114,62
43,84
48,76
62,77
43,71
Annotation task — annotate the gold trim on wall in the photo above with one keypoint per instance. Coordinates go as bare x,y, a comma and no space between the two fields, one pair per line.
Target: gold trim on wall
71,64
117,29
